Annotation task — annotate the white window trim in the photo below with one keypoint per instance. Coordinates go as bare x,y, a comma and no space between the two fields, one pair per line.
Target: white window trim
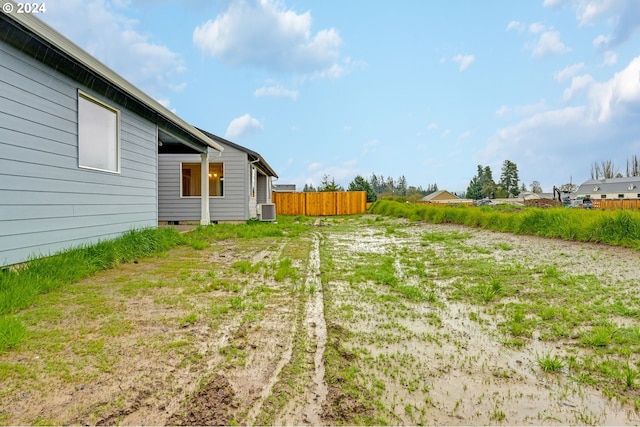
224,167
253,183
86,96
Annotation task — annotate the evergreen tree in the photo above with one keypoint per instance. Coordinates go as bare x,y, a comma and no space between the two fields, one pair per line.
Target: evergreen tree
329,184
361,184
308,188
509,179
474,190
487,182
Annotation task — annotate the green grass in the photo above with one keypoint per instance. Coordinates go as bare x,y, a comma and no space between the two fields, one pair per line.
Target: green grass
549,362
20,286
12,331
619,228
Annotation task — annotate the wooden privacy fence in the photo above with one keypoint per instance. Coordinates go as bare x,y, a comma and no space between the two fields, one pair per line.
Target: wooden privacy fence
616,203
321,204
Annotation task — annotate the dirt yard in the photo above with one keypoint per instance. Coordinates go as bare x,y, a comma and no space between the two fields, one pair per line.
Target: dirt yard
360,320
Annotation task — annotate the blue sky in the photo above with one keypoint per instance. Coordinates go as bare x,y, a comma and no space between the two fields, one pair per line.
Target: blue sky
424,89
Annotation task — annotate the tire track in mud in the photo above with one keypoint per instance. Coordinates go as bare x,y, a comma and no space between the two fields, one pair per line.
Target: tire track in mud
317,330
306,408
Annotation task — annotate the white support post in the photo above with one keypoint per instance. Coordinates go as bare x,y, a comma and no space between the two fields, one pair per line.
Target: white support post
205,216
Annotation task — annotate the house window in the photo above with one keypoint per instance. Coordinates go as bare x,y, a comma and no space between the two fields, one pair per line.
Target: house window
191,184
620,196
98,135
604,196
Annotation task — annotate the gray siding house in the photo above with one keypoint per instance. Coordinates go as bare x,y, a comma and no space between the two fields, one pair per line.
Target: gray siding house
611,188
78,145
240,184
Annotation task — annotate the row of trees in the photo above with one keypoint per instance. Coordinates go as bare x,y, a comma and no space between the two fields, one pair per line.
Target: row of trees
376,186
482,185
607,169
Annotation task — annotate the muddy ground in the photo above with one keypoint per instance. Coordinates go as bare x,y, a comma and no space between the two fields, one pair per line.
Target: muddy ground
309,330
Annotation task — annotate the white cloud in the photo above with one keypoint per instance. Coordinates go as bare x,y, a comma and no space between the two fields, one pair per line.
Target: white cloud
521,110
243,126
578,84
445,133
601,41
568,72
565,141
554,3
464,61
502,111
102,29
549,44
610,58
264,34
536,28
624,15
516,25
343,172
314,166
276,90
464,135
432,126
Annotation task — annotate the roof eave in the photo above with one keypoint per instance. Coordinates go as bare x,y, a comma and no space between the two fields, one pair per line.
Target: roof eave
38,27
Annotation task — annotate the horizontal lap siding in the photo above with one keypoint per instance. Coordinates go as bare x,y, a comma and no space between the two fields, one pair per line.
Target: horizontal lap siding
231,207
48,203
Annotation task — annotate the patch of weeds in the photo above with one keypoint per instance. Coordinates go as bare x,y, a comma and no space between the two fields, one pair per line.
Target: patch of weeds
498,415
42,421
599,336
189,319
15,370
437,237
549,362
412,293
284,270
379,269
117,328
630,376
234,354
135,287
224,285
219,310
245,267
237,303
12,331
503,246
177,344
588,419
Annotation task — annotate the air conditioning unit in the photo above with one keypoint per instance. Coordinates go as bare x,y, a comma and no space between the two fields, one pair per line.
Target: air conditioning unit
267,212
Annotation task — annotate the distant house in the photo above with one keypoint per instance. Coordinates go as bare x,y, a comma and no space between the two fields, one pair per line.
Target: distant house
78,145
442,196
240,184
284,188
611,188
